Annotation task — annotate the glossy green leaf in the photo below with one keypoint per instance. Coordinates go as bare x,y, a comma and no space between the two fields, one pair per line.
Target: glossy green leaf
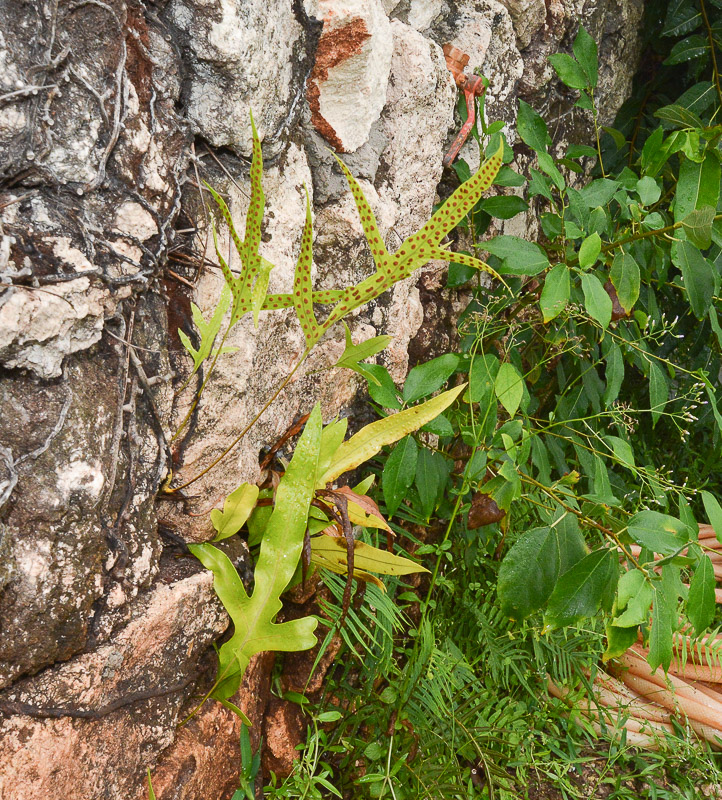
569,71
698,226
583,589
686,50
236,510
368,441
625,278
585,50
701,602
599,192
596,300
518,256
714,513
509,387
648,190
700,279
589,251
504,206
614,372
531,128
698,185
425,379
658,391
382,388
432,471
664,610
661,533
532,566
399,473
555,294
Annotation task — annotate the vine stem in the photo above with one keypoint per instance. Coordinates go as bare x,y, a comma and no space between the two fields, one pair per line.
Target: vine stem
435,573
710,37
240,436
596,133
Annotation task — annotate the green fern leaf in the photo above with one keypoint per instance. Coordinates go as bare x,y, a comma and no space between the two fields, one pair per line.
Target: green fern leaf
253,617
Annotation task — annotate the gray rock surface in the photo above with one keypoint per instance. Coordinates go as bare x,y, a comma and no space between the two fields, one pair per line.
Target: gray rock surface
110,114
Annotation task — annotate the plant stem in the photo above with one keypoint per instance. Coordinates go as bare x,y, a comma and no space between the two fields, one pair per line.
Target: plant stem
238,438
435,573
596,133
710,37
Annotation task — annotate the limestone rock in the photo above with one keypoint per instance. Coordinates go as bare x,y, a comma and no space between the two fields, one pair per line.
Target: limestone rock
243,56
347,88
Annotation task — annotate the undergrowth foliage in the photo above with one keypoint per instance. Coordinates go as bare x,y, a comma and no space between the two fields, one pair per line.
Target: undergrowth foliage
554,490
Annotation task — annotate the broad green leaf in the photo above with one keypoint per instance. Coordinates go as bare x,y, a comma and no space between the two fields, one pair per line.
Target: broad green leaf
330,552
382,388
596,300
701,602
482,375
585,50
585,102
427,378
518,256
714,513
236,510
599,192
532,566
664,611
547,164
698,185
622,450
648,190
399,473
332,437
354,353
686,50
677,116
619,640
531,128
509,387
555,294
207,330
700,279
504,206
509,177
698,98
253,617
658,391
581,591
432,471
682,17
581,151
661,533
589,251
569,70
698,226
368,441
625,278
636,607
614,372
